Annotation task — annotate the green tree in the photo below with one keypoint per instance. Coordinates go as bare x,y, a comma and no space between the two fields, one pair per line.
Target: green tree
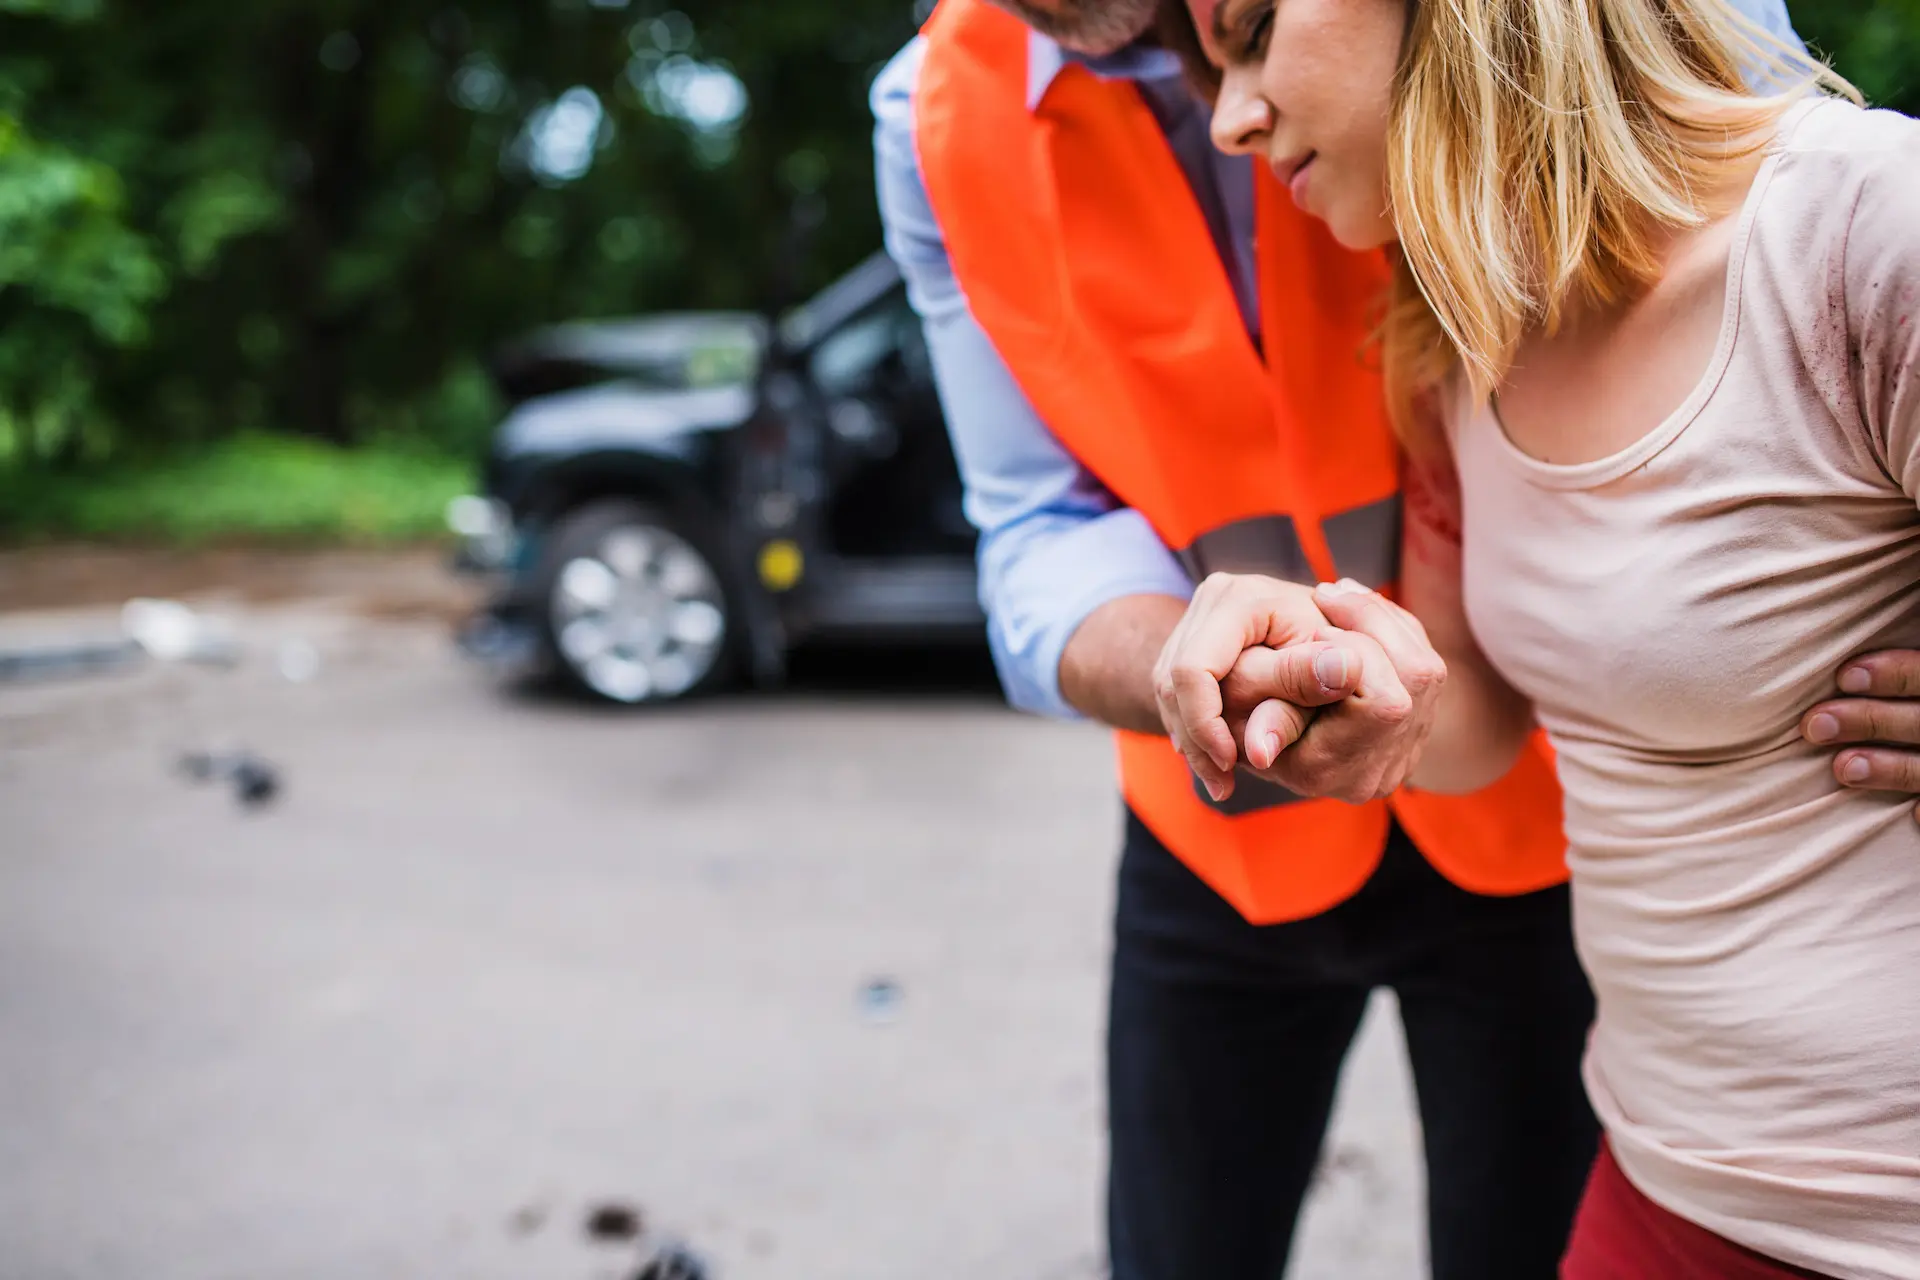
1874,43
318,215
327,210
75,277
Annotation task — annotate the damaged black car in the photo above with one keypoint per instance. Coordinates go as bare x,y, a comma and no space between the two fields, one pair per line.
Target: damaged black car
675,502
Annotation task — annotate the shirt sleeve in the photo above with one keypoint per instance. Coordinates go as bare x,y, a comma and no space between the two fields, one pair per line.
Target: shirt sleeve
1883,300
1054,544
1772,14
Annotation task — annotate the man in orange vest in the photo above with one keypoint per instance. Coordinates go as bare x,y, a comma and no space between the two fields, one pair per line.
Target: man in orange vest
1137,399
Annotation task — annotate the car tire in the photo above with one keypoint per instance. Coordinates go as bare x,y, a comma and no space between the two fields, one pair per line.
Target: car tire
632,608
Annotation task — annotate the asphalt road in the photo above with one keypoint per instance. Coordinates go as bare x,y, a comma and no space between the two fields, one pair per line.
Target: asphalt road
491,961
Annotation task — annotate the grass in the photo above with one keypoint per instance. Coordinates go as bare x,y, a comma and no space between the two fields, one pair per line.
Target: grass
250,489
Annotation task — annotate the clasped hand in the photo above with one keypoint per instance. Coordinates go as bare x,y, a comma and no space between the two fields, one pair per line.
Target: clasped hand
1332,691
1328,691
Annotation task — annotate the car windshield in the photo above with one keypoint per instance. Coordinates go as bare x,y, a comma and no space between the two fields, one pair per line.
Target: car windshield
669,352
686,351
839,302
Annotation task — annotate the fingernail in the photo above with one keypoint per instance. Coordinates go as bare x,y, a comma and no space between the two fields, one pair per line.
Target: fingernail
1217,790
1344,587
1856,769
1330,668
1272,744
1856,680
1823,728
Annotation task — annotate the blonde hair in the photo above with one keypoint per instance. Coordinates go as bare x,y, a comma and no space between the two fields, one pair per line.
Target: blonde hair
1540,153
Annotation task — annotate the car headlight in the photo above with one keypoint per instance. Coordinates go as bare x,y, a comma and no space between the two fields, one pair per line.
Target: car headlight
472,516
485,529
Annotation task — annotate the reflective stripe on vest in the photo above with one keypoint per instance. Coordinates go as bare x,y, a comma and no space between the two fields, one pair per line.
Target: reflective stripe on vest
1084,256
1365,542
1365,545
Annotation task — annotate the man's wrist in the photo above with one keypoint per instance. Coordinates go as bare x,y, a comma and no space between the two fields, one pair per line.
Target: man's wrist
1106,670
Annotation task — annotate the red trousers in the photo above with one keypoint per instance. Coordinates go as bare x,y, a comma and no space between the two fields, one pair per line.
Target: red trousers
1619,1234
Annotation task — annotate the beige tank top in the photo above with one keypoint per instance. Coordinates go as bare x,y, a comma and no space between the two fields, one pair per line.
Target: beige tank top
1752,929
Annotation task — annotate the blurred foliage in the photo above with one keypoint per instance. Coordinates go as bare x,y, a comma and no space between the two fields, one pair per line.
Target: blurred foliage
249,487
1874,43
317,216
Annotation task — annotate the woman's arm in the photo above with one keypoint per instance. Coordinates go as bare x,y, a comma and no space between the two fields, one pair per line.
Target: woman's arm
1482,722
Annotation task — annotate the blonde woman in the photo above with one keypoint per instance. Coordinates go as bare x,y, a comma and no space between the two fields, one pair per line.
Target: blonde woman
1655,346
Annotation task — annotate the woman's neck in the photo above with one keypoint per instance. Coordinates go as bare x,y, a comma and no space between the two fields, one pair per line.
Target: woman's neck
1612,370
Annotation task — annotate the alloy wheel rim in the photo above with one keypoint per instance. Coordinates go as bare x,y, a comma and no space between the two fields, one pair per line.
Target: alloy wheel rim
640,618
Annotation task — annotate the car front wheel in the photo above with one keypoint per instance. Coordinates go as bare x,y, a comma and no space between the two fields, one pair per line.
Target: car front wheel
634,608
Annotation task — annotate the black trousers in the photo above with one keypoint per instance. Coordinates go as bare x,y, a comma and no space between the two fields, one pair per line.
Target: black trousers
1225,1041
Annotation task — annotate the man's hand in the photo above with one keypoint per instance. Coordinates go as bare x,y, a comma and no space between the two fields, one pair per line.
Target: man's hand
1366,748
1359,748
1880,708
1270,624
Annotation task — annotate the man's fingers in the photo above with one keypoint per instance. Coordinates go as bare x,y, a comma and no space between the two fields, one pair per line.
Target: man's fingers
1847,720
1414,624
1890,673
1878,769
1198,656
1307,675
1345,735
1351,606
1271,687
1272,727
1216,779
1269,611
1378,691
1229,613
1198,712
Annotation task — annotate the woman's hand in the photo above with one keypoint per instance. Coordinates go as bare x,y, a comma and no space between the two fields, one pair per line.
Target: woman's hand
1246,640
1366,747
1239,679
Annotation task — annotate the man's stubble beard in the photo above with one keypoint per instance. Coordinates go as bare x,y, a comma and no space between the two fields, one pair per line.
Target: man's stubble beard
1093,27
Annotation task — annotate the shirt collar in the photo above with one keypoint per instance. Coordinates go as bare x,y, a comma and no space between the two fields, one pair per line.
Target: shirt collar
1046,59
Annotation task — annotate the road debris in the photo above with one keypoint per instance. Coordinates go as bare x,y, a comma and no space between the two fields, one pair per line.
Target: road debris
59,661
674,1262
156,630
527,1219
171,632
879,1002
254,782
298,661
613,1223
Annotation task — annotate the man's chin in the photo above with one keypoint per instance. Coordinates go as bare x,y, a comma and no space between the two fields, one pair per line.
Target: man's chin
1096,48
1097,36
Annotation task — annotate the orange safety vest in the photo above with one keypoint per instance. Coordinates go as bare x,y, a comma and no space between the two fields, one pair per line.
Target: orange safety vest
1083,254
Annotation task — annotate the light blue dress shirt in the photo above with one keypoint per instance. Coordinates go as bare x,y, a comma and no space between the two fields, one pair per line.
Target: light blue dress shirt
1054,544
